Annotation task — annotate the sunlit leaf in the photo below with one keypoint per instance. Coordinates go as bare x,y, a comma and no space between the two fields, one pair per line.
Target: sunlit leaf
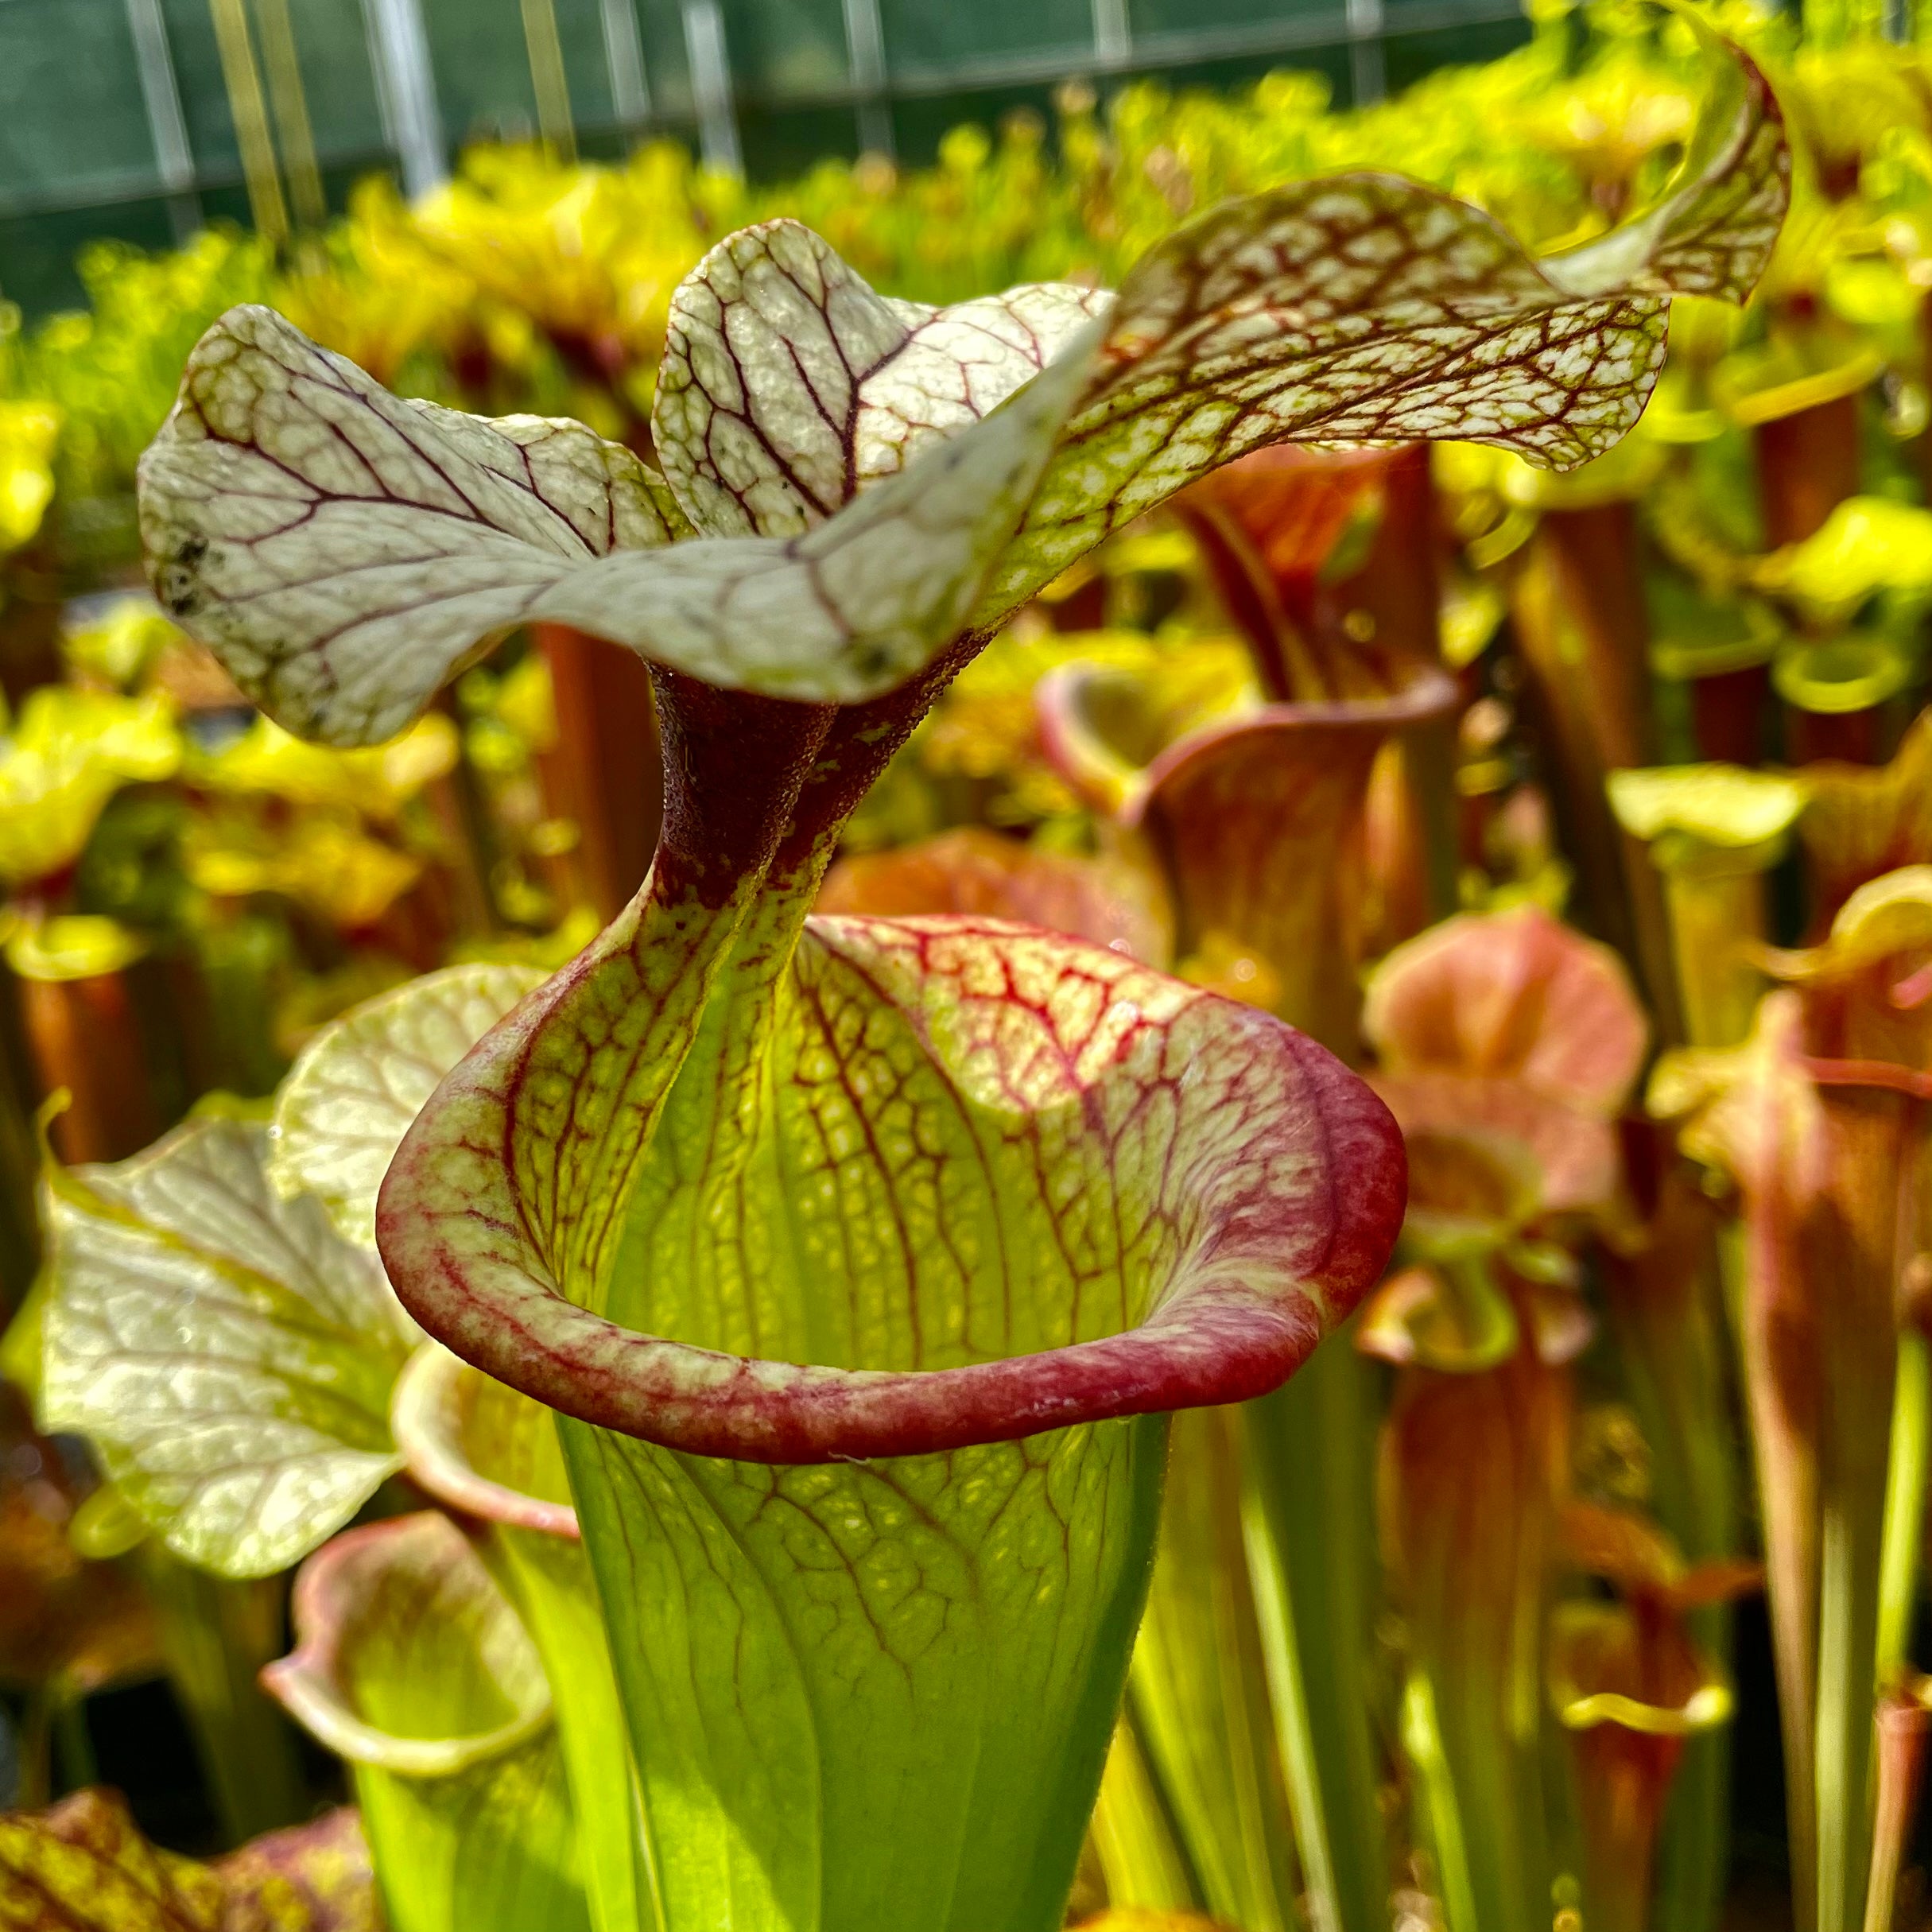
323,863
29,429
1711,832
1868,543
1030,1073
860,1258
1198,1692
1866,982
227,1353
1131,1920
71,946
960,361
411,1664
350,1097
117,644
1887,917
1722,806
1364,309
590,256
787,382
1132,1837
84,1866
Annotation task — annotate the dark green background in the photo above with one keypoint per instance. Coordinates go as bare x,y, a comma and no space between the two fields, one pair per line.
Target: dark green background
77,160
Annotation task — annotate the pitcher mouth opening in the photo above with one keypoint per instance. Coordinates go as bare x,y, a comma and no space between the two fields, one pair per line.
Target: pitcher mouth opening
1214,1340
1426,693
430,1416
1286,1227
339,1595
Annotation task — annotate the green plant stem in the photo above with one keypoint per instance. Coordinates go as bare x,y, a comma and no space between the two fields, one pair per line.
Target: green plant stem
1198,1686
1679,1389
1873,1136
1582,628
1848,1616
1475,1533
242,962
1673,1354
1903,1722
34,1787
73,1745
1905,1505
1783,1463
214,1638
1694,1855
1311,1552
550,1583
1134,1836
484,1451
1421,1737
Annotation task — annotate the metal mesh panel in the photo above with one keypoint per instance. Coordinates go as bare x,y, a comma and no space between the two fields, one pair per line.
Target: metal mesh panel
117,117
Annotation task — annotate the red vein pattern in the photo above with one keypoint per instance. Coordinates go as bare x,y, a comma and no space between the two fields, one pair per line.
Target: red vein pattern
333,493
344,552
787,383
1081,1190
898,1677
769,341
1365,308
